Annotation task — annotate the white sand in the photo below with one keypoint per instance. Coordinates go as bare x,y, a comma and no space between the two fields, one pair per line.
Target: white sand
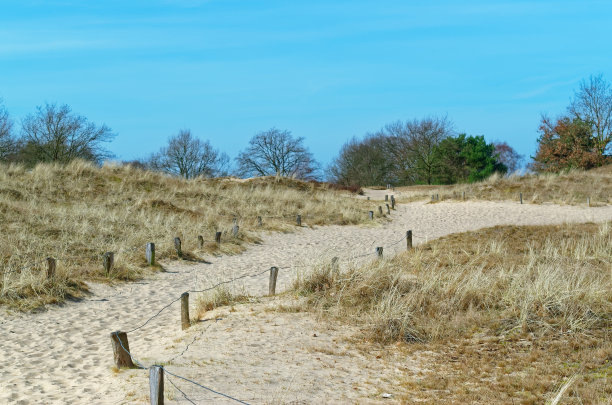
64,355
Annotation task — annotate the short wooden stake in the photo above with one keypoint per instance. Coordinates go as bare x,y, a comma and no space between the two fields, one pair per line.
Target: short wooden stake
298,220
588,201
108,261
368,198
380,212
432,198
51,265
218,238
521,197
388,209
392,202
379,251
437,197
200,241
408,240
371,213
121,350
387,196
335,268
235,230
259,221
156,385
273,276
177,246
463,195
185,323
150,253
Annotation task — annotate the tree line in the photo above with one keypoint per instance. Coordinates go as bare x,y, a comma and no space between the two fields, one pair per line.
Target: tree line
419,151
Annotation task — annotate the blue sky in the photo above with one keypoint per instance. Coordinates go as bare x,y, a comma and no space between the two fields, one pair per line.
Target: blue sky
325,70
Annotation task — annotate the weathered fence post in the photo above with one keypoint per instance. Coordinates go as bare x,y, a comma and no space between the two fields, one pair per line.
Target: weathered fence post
51,264
368,198
156,385
388,209
121,350
259,221
335,268
432,198
200,241
521,197
272,285
379,251
380,212
108,261
218,238
588,201
408,240
387,197
298,220
463,197
185,311
393,202
177,246
371,213
150,253
437,197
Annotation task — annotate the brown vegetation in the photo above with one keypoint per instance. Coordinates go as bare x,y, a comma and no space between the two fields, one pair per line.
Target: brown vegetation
77,212
510,312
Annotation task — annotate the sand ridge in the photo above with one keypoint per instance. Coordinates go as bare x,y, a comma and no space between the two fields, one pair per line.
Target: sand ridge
63,355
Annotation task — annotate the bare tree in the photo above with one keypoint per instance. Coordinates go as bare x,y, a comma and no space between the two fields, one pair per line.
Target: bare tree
55,134
276,152
592,104
7,142
508,156
363,163
189,157
413,147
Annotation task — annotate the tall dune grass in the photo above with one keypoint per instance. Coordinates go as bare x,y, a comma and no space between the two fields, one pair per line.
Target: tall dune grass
77,212
567,188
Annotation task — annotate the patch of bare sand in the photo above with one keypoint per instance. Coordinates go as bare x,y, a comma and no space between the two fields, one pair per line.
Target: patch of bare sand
64,355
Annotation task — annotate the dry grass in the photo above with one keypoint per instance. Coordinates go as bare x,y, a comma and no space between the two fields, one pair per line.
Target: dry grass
568,188
511,312
77,212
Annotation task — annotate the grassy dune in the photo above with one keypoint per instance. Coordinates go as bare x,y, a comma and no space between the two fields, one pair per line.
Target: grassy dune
75,213
569,188
510,312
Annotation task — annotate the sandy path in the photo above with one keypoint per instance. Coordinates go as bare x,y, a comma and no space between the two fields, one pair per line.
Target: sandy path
63,355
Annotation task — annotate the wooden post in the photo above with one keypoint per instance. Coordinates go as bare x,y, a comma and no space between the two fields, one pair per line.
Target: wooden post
51,264
368,198
121,350
463,195
177,246
521,197
259,221
185,324
437,197
150,253
408,240
388,209
273,276
156,385
392,202
298,220
379,252
588,201
335,268
387,197
371,213
432,198
235,230
218,238
200,241
380,210
108,260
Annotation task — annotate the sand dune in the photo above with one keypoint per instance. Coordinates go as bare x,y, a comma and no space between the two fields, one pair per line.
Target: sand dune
63,355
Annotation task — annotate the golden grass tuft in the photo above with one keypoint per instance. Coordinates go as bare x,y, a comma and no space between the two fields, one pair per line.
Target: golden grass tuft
566,188
509,312
76,212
